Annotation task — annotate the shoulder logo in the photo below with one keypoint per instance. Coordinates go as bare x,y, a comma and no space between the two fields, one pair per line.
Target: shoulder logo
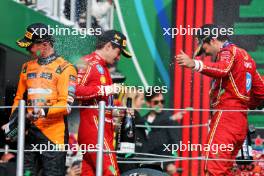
58,70
24,70
248,81
100,69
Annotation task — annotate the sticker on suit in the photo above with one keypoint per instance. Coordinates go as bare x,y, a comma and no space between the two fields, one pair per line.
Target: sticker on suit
100,69
248,81
46,75
31,75
102,79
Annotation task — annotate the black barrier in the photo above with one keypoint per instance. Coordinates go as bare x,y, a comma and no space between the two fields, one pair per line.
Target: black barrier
144,172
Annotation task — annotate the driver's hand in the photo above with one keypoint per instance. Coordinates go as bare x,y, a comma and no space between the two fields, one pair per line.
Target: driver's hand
35,114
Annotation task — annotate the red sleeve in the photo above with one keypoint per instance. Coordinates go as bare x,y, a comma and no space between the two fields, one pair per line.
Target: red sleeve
88,83
257,94
220,68
258,86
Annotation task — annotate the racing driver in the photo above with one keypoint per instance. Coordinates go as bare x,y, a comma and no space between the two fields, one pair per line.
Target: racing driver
236,83
46,80
94,85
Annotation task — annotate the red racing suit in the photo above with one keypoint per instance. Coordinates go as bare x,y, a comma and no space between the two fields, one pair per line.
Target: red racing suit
93,75
236,82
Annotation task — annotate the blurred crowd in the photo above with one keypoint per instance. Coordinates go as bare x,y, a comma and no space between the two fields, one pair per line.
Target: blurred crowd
100,11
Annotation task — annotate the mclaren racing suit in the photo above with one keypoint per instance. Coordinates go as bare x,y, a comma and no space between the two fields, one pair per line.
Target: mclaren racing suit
236,80
47,82
93,75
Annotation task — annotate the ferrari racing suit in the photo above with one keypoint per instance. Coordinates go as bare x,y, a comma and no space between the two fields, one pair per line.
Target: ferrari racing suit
236,81
93,77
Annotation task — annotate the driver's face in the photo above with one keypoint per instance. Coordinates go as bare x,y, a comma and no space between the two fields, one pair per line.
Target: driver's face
36,49
210,49
113,55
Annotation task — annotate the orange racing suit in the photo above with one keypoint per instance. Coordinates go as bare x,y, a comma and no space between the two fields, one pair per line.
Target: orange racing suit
47,82
53,85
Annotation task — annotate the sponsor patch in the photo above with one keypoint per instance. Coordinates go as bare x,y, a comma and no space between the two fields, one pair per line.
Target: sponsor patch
248,81
29,35
72,94
46,76
31,75
102,79
72,78
72,89
24,69
248,64
100,69
39,91
58,70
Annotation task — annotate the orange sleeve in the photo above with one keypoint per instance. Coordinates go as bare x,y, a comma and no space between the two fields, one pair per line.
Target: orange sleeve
66,87
21,88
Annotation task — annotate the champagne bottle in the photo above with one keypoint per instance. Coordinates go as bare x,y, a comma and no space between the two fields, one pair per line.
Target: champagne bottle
11,127
127,135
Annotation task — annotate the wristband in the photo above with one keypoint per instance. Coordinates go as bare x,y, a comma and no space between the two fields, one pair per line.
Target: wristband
198,65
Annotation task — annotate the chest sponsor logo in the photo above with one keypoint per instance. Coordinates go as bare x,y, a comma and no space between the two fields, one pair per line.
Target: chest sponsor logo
248,81
39,91
31,75
248,64
102,79
46,76
100,69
